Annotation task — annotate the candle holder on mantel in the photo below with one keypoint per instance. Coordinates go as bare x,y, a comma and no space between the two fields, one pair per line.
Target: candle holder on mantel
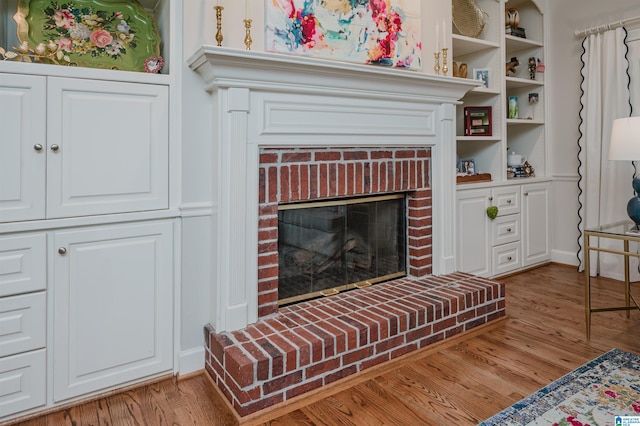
247,37
436,67
219,37
445,68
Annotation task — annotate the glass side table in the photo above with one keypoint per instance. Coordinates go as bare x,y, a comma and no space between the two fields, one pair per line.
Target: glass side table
622,230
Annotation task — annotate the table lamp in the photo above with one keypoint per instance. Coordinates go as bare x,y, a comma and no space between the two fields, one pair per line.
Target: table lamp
625,145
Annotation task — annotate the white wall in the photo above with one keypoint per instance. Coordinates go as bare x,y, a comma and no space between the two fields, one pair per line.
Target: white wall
563,81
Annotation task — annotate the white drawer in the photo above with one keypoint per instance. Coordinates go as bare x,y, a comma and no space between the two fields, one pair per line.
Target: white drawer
23,264
506,258
505,229
23,379
507,199
22,323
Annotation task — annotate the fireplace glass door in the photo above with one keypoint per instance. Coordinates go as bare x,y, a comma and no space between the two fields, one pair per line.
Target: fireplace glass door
328,247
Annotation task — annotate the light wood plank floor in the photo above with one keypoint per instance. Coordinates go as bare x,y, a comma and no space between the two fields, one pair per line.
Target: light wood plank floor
459,383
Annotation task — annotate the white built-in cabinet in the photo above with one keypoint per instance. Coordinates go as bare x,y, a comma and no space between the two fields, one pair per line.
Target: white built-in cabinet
80,147
88,225
519,237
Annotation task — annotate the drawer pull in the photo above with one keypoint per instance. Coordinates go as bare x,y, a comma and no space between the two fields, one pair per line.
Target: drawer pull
508,201
62,251
508,229
490,198
509,258
526,193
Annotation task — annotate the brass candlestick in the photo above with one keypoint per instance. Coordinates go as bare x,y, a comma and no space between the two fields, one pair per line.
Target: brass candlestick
445,68
219,24
247,37
436,67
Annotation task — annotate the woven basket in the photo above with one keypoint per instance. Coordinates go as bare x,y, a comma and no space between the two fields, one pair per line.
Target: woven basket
468,19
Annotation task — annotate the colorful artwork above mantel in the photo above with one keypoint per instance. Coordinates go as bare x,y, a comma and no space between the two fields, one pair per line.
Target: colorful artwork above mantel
381,32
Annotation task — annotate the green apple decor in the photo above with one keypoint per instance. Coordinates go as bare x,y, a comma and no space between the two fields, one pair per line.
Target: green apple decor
492,212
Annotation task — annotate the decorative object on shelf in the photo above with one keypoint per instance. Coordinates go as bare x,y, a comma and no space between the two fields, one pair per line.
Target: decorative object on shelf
534,98
540,65
515,31
532,68
445,68
512,17
468,19
247,34
118,34
513,107
154,65
482,74
386,33
492,212
624,145
436,67
49,53
478,177
514,159
467,166
477,121
461,70
219,36
511,65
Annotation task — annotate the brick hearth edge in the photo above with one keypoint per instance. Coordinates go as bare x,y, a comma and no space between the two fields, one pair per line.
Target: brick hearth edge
312,344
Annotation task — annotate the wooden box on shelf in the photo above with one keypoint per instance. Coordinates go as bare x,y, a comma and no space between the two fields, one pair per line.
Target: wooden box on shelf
477,121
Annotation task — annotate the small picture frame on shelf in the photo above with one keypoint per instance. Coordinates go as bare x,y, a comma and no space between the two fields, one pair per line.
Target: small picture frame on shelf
482,74
477,121
467,166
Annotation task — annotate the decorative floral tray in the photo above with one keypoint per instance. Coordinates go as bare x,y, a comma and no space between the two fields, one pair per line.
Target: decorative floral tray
112,34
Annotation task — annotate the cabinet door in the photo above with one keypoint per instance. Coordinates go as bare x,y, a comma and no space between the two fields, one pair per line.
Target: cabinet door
536,235
22,155
473,233
108,147
113,316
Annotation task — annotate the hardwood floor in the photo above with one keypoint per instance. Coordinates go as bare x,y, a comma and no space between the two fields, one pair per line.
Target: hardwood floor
462,382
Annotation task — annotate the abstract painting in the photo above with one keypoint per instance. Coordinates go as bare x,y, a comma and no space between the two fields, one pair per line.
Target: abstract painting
381,32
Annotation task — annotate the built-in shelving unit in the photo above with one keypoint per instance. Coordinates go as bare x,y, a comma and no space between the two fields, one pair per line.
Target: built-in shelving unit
514,240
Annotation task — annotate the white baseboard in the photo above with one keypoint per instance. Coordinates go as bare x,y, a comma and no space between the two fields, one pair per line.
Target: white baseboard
191,360
564,257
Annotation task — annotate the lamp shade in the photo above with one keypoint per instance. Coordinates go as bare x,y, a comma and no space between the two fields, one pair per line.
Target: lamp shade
625,139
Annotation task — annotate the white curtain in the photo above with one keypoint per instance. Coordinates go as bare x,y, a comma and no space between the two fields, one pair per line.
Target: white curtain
605,186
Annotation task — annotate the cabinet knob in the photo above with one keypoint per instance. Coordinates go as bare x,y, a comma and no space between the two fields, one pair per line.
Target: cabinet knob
508,201
54,147
509,258
37,147
62,250
526,193
508,229
490,198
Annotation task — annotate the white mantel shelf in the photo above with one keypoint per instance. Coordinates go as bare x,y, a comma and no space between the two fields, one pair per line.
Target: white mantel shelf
262,100
224,67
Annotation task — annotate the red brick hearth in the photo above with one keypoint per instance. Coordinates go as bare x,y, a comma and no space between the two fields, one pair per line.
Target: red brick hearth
312,344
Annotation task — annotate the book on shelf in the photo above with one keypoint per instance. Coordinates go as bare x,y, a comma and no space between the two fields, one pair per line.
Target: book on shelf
515,31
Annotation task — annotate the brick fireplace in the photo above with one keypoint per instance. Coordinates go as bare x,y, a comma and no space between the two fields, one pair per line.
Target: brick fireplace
288,129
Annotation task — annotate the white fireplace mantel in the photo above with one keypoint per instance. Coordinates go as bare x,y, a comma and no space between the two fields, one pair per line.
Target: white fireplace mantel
268,100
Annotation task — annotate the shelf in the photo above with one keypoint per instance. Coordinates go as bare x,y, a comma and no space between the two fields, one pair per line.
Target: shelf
515,44
517,121
463,45
515,82
478,138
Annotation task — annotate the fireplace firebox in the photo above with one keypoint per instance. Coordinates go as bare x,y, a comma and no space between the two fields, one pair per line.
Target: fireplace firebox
331,246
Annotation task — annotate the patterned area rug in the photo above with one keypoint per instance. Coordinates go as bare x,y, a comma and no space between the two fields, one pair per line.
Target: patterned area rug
601,392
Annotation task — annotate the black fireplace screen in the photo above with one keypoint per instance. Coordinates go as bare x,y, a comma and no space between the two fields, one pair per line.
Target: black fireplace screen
328,247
